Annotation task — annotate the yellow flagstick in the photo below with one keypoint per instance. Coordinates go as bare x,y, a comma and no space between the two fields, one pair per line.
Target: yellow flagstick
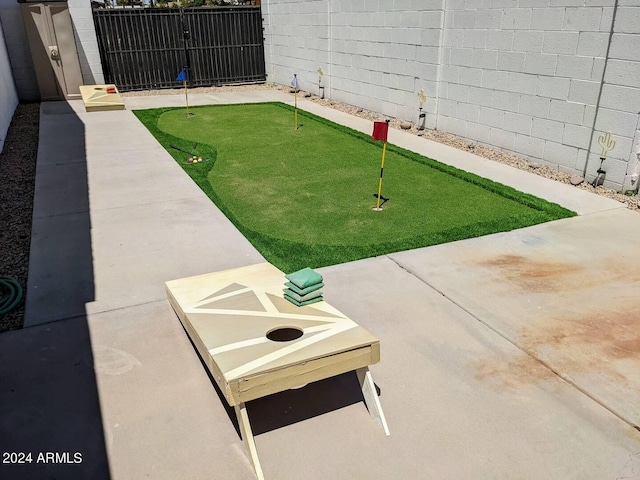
295,100
384,151
183,76
186,96
378,208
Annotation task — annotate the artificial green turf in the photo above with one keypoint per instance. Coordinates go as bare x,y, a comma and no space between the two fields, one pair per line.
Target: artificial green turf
303,197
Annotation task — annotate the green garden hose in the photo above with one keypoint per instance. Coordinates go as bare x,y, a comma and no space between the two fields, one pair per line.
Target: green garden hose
10,300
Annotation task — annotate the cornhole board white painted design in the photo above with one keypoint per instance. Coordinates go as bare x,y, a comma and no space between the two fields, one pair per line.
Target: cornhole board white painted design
96,98
228,315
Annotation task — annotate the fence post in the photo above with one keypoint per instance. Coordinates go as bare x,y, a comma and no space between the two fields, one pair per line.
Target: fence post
186,36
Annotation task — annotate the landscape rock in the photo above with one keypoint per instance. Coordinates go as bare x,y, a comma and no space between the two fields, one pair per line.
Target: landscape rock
576,180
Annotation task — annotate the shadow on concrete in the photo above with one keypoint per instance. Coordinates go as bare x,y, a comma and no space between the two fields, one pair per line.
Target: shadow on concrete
49,403
60,280
296,405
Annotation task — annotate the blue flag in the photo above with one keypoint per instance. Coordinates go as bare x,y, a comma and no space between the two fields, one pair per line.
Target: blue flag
182,76
294,82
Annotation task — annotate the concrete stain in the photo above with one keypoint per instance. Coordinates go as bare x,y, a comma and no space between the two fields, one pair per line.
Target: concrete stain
511,375
614,333
571,348
588,330
535,274
112,361
604,343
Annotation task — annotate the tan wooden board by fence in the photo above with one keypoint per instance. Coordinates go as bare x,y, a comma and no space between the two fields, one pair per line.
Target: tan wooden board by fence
228,315
96,98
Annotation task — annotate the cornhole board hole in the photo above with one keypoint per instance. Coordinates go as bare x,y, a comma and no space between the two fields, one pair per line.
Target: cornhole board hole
256,343
98,98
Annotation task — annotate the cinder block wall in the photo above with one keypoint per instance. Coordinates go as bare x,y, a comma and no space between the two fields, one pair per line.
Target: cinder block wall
20,55
8,94
525,75
535,77
619,105
374,54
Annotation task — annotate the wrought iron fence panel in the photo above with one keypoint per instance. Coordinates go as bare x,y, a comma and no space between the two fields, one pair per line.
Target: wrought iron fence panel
146,48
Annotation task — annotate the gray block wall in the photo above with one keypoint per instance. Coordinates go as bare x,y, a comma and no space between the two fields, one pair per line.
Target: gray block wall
539,67
541,78
619,104
373,57
8,93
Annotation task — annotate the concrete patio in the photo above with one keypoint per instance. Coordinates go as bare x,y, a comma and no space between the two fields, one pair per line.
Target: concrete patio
510,356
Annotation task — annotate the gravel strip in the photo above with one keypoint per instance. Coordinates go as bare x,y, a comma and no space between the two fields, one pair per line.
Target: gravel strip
17,181
18,169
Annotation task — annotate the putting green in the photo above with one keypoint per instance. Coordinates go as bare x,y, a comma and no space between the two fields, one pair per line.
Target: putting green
304,197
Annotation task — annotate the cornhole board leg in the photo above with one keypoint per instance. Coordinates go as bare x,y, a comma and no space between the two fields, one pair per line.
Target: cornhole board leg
371,398
247,438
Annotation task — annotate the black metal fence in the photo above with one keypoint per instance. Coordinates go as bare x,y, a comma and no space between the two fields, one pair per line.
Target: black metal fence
146,48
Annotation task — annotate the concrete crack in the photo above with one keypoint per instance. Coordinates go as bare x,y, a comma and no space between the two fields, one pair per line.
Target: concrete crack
564,377
631,462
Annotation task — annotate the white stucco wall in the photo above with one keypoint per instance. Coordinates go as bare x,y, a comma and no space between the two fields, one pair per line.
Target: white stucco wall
8,93
18,51
520,75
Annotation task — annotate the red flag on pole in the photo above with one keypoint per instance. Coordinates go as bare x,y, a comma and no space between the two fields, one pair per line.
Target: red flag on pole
380,131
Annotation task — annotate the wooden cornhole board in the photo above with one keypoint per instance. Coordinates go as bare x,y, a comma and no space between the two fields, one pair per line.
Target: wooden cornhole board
96,98
228,315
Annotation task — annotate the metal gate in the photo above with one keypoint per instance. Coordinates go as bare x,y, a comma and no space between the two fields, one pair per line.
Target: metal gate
146,48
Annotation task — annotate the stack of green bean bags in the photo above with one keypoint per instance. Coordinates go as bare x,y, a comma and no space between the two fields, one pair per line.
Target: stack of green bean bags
304,287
